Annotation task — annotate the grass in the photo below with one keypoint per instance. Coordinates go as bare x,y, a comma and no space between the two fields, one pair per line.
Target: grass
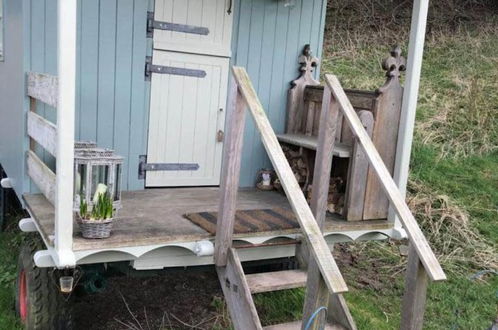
9,247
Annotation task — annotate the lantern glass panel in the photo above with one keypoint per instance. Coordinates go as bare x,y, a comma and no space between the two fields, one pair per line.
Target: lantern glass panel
80,184
100,174
117,183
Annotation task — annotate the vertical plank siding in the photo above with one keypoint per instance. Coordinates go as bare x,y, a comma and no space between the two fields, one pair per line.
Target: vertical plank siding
86,127
111,91
267,39
112,98
13,140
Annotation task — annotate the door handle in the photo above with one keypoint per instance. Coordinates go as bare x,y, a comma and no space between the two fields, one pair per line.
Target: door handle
220,136
229,11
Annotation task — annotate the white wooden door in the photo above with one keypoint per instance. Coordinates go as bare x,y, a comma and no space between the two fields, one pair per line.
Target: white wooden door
209,22
186,114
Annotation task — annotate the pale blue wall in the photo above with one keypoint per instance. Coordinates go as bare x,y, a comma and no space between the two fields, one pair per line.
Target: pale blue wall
12,90
268,39
112,96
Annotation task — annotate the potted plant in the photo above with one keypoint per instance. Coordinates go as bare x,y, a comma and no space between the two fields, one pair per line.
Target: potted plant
96,221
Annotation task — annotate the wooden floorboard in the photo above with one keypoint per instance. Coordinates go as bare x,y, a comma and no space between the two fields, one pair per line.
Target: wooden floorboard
155,216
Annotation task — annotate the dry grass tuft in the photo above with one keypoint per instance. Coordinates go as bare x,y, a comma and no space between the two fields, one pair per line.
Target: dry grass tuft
466,123
448,229
463,103
352,24
458,95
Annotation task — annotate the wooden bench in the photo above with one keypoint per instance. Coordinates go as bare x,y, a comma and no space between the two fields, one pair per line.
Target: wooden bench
379,111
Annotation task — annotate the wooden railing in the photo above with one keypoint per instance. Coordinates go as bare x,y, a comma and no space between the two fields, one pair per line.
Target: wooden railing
57,140
42,87
421,260
325,282
244,96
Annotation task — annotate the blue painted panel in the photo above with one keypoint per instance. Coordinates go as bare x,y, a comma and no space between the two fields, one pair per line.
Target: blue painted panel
268,39
50,63
12,90
139,112
111,96
107,72
112,109
123,82
88,65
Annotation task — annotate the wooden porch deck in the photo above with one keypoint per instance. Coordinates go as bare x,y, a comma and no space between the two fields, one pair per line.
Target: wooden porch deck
156,216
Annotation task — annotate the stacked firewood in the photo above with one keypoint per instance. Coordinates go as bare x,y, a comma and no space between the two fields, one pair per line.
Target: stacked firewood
299,166
335,201
301,169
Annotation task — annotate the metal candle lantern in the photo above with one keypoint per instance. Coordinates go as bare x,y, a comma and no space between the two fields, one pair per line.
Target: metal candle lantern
96,170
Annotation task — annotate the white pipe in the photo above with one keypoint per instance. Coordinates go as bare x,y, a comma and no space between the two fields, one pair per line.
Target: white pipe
410,96
6,183
204,248
66,65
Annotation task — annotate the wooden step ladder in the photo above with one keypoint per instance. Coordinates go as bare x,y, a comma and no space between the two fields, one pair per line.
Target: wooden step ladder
238,289
322,279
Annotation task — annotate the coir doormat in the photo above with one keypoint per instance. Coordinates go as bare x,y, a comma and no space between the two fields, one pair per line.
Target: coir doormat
249,221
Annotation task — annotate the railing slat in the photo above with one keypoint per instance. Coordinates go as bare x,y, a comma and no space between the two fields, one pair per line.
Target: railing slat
43,132
311,231
42,176
43,87
416,236
230,178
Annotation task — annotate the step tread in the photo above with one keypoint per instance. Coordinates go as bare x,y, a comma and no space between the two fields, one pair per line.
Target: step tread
296,325
274,281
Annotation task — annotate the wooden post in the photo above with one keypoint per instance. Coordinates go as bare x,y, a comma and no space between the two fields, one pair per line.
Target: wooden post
237,294
230,176
66,57
338,312
410,96
416,282
317,294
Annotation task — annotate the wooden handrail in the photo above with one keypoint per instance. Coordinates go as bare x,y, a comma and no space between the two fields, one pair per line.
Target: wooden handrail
417,238
311,231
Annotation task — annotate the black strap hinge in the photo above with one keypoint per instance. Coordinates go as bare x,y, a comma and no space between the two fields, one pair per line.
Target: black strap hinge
162,69
152,25
144,167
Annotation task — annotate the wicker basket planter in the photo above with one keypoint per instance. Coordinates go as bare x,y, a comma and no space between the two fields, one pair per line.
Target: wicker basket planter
95,228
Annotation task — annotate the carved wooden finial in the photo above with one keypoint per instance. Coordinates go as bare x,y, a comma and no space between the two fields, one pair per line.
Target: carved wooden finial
295,98
394,64
307,60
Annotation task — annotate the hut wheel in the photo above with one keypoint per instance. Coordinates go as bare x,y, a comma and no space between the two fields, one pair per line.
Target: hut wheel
39,304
